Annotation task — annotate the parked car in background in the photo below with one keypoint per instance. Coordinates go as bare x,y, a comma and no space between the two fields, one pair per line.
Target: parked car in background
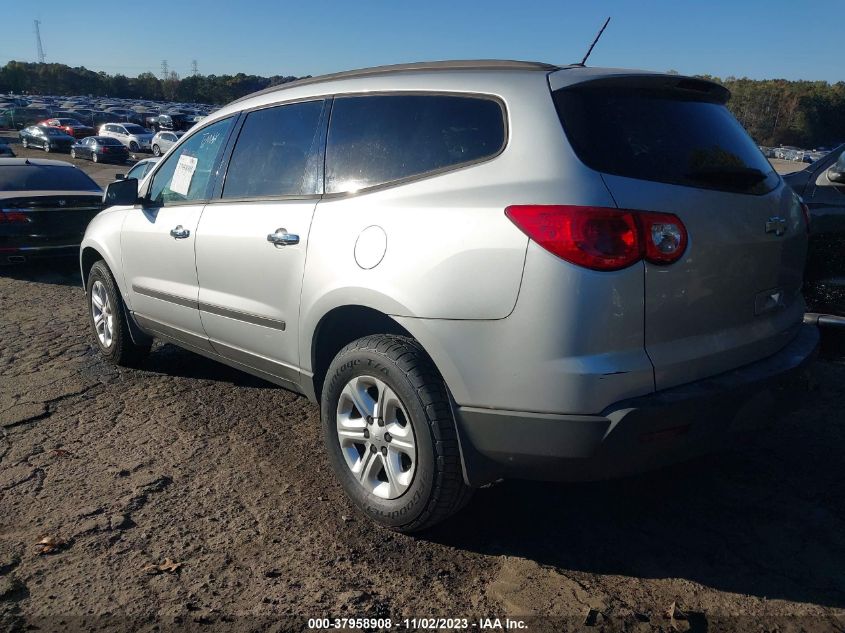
133,136
71,127
163,141
18,118
50,139
45,206
588,306
139,170
172,122
100,149
822,188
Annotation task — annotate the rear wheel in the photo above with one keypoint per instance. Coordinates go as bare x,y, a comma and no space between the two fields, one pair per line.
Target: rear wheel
47,147
108,318
133,146
156,150
390,435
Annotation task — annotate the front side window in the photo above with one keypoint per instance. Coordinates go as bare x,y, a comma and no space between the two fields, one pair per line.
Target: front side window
277,153
383,138
186,174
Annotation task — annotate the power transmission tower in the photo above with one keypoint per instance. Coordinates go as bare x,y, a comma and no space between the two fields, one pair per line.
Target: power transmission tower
41,56
165,73
195,69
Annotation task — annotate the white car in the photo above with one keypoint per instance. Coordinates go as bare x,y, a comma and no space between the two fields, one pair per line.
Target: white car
135,137
164,140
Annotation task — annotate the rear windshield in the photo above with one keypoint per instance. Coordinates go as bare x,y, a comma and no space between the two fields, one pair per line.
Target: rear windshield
107,140
135,129
44,178
659,136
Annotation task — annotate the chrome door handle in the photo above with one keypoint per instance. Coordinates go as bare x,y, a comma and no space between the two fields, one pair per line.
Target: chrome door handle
282,238
180,233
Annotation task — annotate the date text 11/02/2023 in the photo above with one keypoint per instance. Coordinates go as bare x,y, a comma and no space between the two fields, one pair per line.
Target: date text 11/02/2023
413,624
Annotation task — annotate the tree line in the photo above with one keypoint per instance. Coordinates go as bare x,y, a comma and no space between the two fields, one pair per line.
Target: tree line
774,111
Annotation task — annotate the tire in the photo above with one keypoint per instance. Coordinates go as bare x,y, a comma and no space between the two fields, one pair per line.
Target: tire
73,153
421,490
111,333
94,157
47,147
134,147
156,150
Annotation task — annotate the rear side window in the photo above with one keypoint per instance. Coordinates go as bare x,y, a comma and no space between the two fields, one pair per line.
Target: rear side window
660,136
379,139
277,153
44,178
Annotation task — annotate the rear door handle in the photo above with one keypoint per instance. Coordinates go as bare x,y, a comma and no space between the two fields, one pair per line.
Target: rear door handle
180,233
282,238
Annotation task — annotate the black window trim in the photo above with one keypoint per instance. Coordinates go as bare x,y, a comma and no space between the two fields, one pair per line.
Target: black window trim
432,173
323,128
236,119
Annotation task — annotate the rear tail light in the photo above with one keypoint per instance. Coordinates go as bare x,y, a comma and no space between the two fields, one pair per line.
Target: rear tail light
664,236
602,238
806,211
13,217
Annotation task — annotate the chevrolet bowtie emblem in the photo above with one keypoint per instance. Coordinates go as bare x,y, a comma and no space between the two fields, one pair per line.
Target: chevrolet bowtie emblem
776,225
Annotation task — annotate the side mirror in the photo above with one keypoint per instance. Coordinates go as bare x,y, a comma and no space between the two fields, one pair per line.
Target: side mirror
834,175
121,193
120,176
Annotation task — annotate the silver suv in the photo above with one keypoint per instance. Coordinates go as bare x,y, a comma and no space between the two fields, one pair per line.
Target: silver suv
479,270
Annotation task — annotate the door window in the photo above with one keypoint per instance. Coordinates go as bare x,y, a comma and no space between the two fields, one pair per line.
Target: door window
186,175
277,153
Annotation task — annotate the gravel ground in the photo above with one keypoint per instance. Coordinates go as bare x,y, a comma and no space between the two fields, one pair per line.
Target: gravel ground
188,462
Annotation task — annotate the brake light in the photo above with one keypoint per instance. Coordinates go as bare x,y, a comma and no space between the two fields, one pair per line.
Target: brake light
13,217
805,210
602,238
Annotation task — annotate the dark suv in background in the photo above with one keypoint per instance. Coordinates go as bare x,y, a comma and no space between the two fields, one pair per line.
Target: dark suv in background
822,187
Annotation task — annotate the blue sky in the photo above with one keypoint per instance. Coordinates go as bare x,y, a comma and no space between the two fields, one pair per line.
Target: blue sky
793,39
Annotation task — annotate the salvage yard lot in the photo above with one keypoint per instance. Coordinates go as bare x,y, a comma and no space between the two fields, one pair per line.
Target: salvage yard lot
188,460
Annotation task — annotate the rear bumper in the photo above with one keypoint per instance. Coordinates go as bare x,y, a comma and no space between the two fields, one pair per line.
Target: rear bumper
633,435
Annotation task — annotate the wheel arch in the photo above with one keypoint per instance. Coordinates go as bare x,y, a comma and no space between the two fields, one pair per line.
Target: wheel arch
340,326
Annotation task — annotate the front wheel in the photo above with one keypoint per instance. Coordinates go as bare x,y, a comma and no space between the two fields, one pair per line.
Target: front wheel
108,318
156,150
390,435
73,153
133,146
94,157
47,147
24,143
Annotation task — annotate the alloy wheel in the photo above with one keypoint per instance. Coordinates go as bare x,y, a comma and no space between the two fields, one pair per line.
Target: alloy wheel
101,311
376,437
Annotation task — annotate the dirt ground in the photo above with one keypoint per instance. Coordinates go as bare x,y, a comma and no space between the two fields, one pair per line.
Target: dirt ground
188,462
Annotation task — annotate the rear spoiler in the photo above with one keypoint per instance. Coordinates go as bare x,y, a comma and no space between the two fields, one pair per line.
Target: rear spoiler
679,86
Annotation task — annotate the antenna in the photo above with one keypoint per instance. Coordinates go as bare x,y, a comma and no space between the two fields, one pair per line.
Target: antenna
195,69
41,56
590,50
164,70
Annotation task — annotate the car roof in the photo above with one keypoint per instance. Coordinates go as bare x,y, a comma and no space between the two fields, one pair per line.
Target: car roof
449,65
36,162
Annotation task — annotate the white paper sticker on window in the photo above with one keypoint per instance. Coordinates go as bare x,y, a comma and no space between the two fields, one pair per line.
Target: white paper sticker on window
183,175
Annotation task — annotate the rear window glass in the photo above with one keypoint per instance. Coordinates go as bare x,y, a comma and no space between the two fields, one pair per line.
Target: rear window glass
106,140
379,139
44,178
661,137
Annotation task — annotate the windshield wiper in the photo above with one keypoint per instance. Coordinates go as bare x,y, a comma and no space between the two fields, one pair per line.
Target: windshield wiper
745,175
